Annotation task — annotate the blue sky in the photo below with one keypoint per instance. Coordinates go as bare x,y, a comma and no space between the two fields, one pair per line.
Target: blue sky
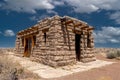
104,15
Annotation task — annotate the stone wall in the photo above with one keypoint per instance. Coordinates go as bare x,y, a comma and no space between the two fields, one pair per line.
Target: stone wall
66,40
55,42
52,52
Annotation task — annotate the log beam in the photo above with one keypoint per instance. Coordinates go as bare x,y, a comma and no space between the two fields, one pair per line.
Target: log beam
78,25
90,28
27,30
83,27
68,22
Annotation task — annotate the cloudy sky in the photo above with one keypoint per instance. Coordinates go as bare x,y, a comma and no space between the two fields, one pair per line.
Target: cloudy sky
104,15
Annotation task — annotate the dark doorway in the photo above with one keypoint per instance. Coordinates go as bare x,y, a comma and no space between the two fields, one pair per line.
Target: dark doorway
77,46
28,47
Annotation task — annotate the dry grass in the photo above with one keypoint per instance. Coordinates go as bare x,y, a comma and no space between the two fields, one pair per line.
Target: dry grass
8,69
27,75
113,54
12,70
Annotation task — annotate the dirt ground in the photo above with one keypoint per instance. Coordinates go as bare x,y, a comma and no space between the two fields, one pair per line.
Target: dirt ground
109,72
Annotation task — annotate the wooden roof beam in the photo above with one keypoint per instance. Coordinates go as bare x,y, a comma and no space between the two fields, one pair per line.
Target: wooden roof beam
91,28
77,31
18,33
24,32
21,32
30,29
68,22
78,25
84,27
27,30
34,27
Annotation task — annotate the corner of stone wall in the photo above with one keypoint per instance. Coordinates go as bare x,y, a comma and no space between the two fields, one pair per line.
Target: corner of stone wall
87,55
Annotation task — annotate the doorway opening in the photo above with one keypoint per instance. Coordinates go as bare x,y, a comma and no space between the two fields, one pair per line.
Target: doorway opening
77,46
28,47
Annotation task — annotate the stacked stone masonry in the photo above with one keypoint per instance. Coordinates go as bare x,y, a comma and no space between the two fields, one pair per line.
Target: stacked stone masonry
57,41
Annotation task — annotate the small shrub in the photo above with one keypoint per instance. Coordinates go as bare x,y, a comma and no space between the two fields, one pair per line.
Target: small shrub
29,75
12,70
118,53
113,54
8,69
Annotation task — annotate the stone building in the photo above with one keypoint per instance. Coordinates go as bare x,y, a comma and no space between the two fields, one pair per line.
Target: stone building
57,41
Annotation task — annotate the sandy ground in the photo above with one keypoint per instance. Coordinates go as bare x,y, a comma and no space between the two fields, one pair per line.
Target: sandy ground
98,70
109,72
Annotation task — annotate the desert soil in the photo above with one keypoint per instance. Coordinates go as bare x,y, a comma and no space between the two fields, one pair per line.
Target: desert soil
108,72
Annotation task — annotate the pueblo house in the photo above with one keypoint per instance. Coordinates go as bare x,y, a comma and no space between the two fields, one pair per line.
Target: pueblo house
57,41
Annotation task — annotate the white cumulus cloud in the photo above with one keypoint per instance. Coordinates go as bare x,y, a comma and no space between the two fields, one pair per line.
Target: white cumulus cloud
116,16
9,33
107,35
57,2
52,12
88,6
80,6
29,6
